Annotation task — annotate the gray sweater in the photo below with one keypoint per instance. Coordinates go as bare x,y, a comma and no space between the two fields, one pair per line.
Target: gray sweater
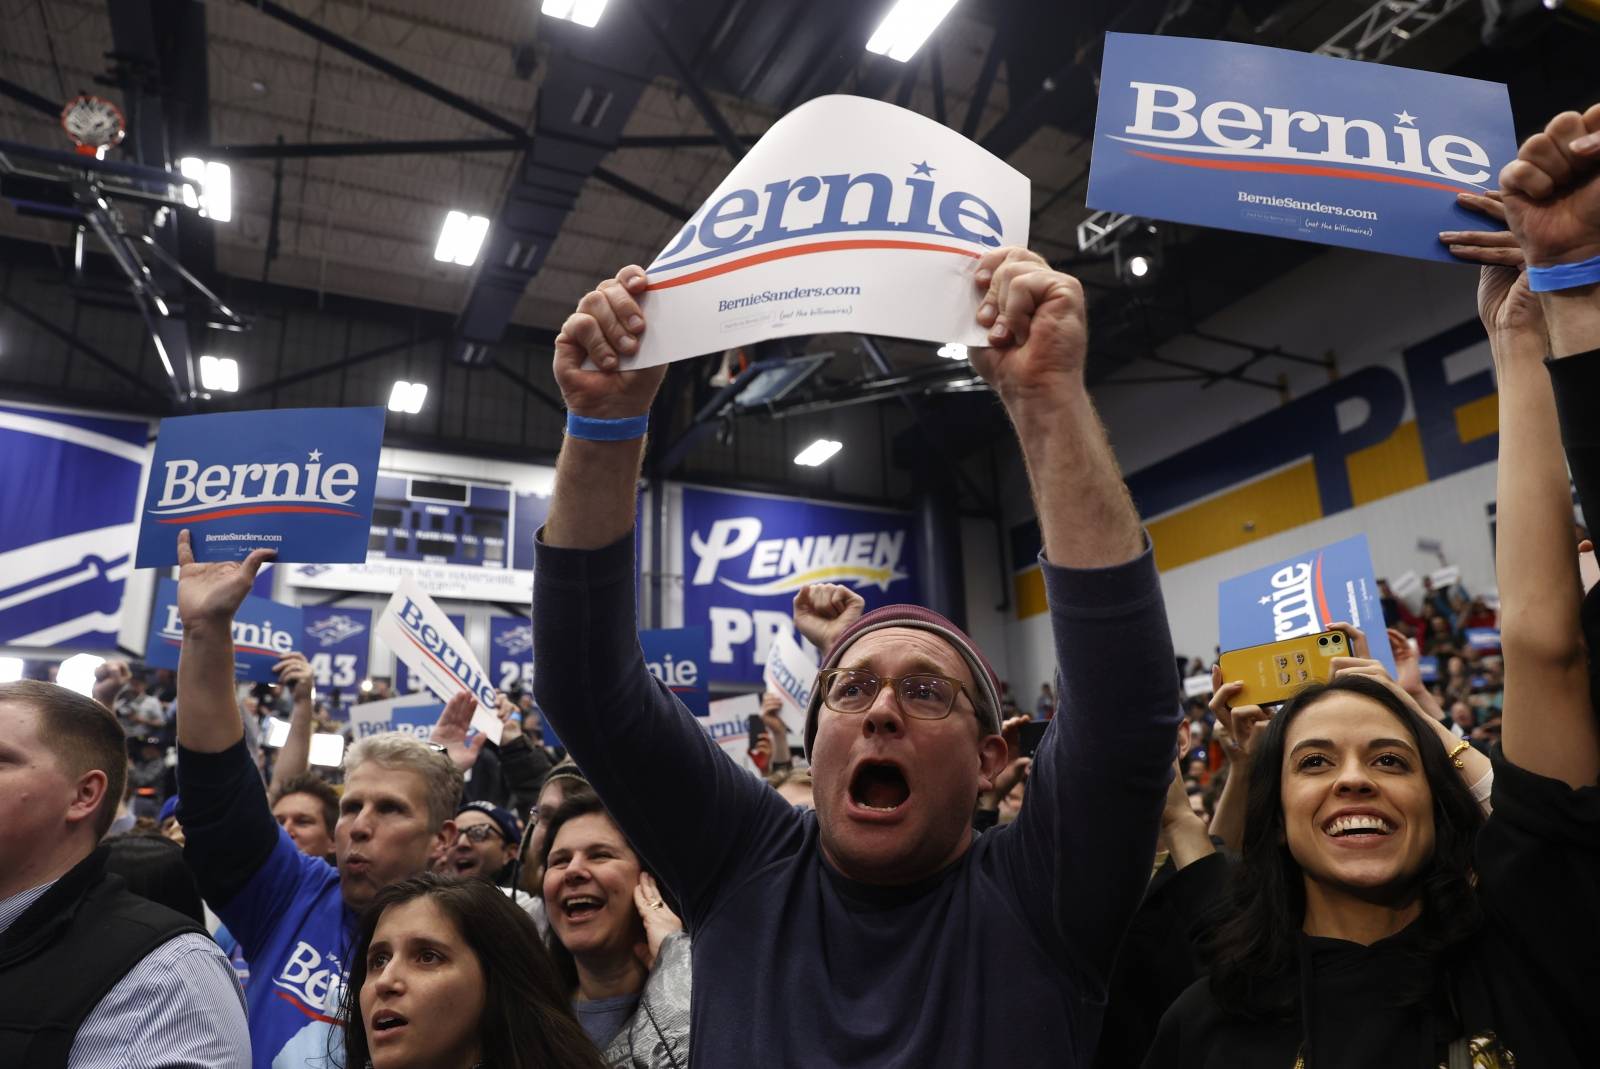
1001,959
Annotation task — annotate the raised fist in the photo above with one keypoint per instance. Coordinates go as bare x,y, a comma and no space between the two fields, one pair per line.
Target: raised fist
1552,190
822,611
595,340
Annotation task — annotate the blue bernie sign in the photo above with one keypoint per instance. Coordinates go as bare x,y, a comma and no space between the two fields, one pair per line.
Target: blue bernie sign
1302,596
678,657
297,480
263,632
1295,145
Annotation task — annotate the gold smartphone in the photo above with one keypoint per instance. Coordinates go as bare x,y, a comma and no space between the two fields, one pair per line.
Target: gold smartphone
1272,673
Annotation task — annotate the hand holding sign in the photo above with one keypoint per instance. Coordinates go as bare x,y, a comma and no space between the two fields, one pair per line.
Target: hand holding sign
1552,190
1505,303
591,345
212,593
1037,327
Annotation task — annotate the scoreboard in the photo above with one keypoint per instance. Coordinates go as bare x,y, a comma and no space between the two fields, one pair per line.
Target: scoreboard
457,538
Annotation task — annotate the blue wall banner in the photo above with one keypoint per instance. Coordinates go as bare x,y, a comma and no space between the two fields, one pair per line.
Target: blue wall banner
263,631
70,484
338,641
677,656
297,480
745,556
511,652
1302,596
1294,145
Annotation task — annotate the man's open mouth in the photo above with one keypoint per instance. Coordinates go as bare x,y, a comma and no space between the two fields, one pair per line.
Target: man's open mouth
879,785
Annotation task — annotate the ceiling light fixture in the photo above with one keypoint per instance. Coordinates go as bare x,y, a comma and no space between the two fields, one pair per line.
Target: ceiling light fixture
818,452
583,12
220,373
215,199
906,26
407,397
953,350
460,238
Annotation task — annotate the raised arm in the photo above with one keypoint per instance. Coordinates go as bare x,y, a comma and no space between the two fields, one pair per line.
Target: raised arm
1552,200
208,596
1109,750
658,771
294,757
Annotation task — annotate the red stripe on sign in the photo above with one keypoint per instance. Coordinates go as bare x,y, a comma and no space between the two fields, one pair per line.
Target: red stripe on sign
1322,595
803,250
1301,168
303,1008
256,510
429,655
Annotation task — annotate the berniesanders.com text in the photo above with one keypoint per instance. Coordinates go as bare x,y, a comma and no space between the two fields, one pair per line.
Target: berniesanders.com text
1307,206
798,293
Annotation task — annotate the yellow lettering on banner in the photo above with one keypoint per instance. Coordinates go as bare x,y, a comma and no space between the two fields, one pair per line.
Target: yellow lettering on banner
1028,588
1393,465
1478,419
1278,502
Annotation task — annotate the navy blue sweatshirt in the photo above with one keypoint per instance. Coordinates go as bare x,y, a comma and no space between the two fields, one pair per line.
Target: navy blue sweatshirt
1001,959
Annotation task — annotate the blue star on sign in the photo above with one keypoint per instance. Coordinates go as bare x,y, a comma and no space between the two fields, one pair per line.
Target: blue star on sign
922,168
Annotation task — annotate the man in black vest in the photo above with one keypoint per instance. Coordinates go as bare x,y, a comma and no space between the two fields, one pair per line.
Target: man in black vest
91,974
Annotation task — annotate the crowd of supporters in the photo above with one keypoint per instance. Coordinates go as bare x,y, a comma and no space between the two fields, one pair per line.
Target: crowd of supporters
1393,868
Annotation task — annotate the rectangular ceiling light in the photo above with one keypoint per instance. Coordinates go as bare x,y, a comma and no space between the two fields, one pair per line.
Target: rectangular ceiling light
215,199
583,12
407,397
460,238
906,26
818,452
219,373
953,350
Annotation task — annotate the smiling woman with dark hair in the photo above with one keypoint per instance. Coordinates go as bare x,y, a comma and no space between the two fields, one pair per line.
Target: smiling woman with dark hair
1376,920
447,974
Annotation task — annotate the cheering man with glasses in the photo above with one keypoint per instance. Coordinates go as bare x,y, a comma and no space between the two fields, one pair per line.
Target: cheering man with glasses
877,930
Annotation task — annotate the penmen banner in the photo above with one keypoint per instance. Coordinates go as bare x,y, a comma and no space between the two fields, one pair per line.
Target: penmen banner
1302,596
677,657
338,641
297,480
746,554
511,651
849,214
422,636
1294,145
70,483
413,714
790,674
263,631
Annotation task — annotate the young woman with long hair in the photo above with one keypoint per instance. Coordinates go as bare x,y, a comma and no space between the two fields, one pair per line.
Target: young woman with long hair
447,973
1377,920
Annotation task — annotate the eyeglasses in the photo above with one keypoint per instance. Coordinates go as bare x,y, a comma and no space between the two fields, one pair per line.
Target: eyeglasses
921,697
479,833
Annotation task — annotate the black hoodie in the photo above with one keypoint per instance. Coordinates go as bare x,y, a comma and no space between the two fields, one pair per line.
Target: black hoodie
1530,976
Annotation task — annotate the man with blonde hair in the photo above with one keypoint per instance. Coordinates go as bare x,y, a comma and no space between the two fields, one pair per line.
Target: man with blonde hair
293,914
91,974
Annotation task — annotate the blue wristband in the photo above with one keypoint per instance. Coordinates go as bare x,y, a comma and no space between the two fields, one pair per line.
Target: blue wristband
607,430
1564,276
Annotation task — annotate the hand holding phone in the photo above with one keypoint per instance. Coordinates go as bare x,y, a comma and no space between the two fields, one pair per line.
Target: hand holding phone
1272,673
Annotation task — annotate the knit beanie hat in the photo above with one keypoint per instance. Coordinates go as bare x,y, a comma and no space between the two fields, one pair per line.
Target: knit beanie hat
503,819
987,700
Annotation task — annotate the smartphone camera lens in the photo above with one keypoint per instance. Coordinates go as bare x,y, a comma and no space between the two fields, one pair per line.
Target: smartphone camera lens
1323,641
